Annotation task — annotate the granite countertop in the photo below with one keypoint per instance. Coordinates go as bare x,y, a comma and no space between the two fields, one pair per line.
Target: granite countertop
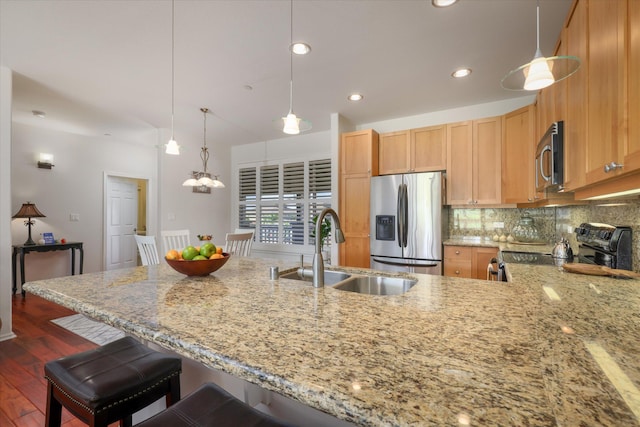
489,243
448,352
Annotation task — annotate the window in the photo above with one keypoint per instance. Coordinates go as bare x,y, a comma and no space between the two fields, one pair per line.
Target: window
280,200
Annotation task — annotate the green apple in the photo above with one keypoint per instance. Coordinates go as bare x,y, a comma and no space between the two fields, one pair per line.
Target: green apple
207,250
189,253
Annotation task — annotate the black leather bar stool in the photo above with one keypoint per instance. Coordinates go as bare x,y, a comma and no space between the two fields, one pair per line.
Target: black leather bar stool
212,406
110,383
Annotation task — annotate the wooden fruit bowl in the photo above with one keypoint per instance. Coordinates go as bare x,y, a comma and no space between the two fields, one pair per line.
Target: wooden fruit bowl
198,268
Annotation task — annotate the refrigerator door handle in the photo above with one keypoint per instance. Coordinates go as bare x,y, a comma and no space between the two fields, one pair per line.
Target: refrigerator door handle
399,215
405,264
405,215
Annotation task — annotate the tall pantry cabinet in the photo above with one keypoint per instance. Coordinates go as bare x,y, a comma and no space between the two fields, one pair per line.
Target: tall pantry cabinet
358,163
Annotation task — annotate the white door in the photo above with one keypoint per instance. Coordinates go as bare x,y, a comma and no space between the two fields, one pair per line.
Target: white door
122,219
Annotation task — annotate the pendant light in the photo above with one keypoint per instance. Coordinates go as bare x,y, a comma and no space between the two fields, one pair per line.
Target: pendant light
172,146
291,124
202,180
540,72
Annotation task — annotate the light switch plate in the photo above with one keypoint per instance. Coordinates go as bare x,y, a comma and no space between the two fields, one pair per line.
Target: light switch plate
498,224
74,217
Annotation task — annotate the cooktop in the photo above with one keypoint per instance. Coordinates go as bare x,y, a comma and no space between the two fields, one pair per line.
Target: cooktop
539,258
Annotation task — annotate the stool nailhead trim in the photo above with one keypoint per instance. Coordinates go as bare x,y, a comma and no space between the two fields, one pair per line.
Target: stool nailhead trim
113,404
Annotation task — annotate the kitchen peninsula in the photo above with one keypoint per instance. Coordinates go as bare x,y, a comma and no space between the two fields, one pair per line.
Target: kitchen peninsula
447,352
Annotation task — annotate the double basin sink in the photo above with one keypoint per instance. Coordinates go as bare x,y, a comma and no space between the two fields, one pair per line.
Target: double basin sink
362,284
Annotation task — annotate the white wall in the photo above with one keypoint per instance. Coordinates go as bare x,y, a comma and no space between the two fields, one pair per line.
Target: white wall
5,203
74,185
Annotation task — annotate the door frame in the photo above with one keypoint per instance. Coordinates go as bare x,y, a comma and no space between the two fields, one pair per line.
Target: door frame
151,207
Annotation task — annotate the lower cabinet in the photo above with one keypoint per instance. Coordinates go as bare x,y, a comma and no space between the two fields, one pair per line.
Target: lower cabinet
468,261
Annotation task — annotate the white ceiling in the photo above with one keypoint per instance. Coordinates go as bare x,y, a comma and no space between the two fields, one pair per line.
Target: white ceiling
104,66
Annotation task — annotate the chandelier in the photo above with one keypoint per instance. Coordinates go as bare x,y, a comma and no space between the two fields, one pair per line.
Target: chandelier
203,181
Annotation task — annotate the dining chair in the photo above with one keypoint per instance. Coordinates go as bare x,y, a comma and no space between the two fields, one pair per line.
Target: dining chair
148,250
175,239
247,230
238,243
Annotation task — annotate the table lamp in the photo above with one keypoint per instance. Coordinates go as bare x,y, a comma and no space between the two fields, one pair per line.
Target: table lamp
29,210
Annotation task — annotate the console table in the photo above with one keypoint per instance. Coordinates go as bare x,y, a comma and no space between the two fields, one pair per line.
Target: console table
25,249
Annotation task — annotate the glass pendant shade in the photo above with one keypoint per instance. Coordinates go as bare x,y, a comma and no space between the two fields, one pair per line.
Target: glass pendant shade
291,124
191,182
172,147
540,72
539,75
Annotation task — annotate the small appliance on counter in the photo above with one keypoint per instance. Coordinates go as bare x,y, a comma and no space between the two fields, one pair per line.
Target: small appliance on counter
562,250
604,244
526,231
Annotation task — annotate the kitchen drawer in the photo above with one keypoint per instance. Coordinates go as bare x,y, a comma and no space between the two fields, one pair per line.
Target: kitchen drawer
458,252
458,268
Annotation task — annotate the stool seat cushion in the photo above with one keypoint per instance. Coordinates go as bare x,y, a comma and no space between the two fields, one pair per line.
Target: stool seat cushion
212,406
112,374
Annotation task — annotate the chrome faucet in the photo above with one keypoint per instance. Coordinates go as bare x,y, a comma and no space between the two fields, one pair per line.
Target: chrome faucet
318,263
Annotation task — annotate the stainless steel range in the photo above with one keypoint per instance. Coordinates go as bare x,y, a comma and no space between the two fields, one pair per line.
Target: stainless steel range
605,244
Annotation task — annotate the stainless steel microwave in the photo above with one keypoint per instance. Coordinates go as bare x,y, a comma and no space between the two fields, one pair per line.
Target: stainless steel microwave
550,159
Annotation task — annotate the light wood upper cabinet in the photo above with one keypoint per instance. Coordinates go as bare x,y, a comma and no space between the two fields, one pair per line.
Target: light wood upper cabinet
358,162
518,155
359,153
394,152
487,161
415,150
632,155
474,162
575,129
428,149
460,163
606,89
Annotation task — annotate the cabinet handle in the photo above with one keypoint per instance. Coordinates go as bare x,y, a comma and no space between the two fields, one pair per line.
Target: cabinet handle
457,271
457,252
612,166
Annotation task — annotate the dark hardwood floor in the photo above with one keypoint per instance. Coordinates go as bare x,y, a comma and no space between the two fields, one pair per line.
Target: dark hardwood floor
23,388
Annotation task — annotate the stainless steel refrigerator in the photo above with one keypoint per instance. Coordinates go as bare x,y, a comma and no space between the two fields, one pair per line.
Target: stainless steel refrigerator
408,222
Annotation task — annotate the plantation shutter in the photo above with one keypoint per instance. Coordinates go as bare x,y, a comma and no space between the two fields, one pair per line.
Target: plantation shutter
247,197
319,193
280,201
269,209
293,207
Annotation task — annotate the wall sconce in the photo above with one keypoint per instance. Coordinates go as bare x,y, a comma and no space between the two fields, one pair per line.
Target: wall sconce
45,161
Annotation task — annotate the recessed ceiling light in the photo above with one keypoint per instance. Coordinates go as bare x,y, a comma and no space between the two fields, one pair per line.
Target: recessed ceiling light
443,3
40,114
461,72
300,48
355,97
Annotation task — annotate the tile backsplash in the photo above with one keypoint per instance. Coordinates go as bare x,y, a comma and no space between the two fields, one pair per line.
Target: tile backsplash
552,222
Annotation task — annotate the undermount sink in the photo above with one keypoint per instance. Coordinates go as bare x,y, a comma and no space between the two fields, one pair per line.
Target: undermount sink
376,285
371,285
330,277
